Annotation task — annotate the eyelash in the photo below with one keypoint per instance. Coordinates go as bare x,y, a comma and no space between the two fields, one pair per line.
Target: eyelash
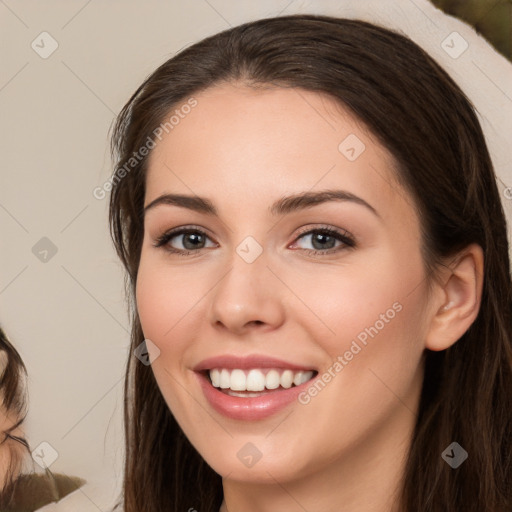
342,236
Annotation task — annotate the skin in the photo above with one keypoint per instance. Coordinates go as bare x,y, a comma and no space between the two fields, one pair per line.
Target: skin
244,148
11,451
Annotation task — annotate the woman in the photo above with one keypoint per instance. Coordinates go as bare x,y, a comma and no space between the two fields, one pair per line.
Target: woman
372,373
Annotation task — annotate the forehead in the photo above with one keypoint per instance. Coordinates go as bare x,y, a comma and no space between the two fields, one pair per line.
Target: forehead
249,146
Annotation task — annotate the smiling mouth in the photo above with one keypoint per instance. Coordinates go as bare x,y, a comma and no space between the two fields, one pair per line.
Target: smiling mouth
257,381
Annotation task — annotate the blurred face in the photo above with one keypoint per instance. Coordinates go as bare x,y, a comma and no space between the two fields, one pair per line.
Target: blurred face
281,284
11,451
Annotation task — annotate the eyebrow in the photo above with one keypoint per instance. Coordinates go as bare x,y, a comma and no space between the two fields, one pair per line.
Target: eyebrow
282,206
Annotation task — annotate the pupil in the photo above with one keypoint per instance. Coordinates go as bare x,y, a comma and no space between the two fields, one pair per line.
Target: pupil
322,237
196,236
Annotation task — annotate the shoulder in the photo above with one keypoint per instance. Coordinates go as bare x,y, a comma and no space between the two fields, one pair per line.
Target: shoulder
33,491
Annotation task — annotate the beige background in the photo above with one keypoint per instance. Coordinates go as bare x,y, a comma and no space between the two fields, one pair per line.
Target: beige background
67,315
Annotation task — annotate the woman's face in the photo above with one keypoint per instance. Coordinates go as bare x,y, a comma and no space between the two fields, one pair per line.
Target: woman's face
253,294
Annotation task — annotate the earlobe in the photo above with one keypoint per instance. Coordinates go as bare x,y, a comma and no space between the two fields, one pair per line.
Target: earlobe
458,301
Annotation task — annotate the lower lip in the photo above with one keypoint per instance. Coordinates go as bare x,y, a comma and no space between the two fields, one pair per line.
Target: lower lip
250,408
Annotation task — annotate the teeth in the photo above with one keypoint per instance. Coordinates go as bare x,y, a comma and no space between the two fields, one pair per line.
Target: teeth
225,379
257,380
297,378
272,380
238,380
215,377
287,379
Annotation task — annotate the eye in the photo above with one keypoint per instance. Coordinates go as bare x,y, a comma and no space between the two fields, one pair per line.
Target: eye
192,240
324,239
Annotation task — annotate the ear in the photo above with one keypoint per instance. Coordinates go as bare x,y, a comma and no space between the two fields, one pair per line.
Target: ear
457,301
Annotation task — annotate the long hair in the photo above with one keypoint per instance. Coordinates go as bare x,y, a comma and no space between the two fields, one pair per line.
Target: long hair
13,409
423,118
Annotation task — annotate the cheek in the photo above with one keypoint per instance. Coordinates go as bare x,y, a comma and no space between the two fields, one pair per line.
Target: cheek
375,319
164,298
165,306
380,292
374,353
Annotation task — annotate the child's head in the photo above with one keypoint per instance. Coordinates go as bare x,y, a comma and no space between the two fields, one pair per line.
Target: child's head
13,446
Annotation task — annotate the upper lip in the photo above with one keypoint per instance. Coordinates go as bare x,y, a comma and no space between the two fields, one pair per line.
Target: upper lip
247,362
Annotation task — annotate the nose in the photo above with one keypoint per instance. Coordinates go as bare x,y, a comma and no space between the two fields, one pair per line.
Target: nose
248,296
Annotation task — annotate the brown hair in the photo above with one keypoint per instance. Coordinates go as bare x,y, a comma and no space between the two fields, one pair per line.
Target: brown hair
424,119
13,410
